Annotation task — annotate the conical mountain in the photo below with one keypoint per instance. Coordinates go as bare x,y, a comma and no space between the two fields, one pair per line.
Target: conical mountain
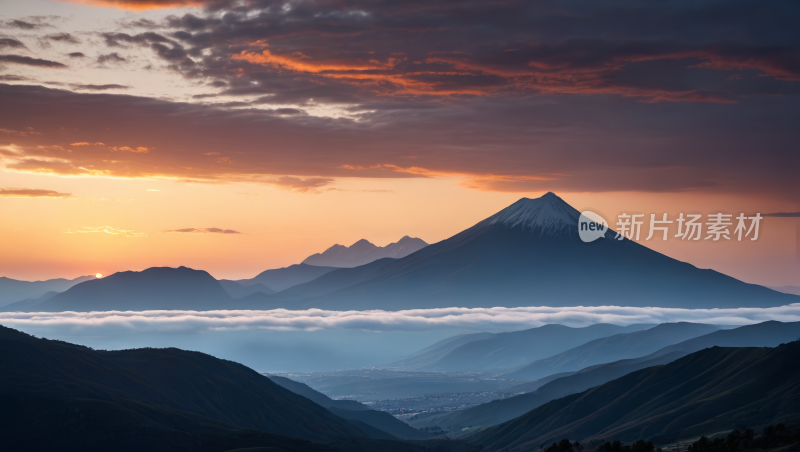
530,254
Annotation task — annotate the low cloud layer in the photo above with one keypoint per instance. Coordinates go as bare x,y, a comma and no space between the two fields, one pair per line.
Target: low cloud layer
203,231
106,230
479,319
31,193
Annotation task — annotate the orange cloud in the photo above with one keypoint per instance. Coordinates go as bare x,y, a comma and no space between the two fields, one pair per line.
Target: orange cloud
137,150
139,5
296,63
31,193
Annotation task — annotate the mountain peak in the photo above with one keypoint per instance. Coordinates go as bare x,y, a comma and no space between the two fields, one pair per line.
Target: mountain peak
363,252
548,213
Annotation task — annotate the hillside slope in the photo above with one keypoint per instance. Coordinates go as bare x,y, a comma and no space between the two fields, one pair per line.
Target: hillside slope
612,348
161,388
705,392
505,351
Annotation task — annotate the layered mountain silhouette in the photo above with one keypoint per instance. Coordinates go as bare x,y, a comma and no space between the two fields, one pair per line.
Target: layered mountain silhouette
766,334
237,290
331,281
60,396
529,254
613,348
709,391
504,351
282,278
352,410
169,392
363,252
155,288
12,290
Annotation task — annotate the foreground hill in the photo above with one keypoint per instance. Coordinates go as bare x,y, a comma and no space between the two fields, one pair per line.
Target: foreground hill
47,386
504,351
363,252
65,397
155,288
766,334
706,392
353,410
12,290
613,348
529,254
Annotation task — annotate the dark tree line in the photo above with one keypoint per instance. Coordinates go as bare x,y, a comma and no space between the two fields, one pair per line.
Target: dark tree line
746,438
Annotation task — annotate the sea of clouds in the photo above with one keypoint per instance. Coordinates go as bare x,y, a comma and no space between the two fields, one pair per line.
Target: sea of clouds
316,340
477,319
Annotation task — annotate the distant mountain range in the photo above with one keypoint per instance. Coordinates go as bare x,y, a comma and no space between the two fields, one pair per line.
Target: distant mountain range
766,334
712,390
282,278
363,252
155,288
612,348
12,290
502,351
529,254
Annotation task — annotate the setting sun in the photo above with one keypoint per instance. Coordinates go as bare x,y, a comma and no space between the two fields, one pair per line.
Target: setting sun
98,275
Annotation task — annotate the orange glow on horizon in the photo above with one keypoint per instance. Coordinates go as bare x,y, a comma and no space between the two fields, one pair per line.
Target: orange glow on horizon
135,5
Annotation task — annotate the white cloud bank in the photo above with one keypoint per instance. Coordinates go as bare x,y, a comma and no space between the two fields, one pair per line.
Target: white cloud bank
479,319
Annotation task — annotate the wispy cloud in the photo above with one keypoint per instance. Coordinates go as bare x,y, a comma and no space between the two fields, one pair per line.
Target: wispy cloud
202,231
32,193
479,319
106,230
28,61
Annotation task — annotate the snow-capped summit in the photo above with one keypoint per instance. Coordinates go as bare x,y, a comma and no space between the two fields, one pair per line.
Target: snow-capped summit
548,214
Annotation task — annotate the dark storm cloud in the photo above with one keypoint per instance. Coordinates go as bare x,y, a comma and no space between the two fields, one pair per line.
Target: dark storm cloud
591,144
28,61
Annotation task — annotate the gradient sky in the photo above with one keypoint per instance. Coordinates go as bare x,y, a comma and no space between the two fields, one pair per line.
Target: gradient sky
288,126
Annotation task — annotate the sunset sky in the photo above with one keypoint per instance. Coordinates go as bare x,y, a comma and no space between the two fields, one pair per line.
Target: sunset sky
275,129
